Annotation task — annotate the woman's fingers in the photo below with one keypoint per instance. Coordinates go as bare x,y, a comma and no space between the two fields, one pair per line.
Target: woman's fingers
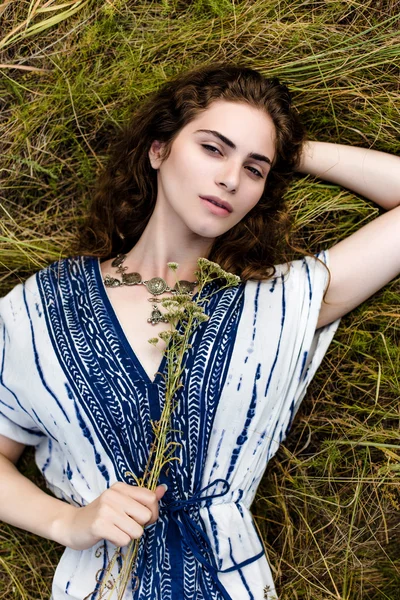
140,513
160,491
139,503
118,515
158,494
124,530
139,508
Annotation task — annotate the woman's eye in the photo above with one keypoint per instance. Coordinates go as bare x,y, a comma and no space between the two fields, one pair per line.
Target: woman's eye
211,149
255,172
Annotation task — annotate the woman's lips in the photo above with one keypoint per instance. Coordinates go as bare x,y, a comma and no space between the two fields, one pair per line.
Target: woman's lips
216,205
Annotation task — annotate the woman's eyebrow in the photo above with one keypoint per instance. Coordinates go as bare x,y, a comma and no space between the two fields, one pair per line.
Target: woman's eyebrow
229,143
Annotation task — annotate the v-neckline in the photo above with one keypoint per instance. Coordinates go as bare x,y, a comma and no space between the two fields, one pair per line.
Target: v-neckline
109,308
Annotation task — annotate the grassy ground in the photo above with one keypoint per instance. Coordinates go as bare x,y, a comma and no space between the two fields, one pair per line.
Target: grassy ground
329,504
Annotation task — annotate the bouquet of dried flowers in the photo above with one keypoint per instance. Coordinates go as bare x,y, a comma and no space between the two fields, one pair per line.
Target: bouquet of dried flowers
189,313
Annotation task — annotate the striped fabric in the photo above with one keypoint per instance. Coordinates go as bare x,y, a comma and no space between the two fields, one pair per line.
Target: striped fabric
71,385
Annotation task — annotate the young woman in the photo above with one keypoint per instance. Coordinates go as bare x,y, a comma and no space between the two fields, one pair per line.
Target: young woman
200,171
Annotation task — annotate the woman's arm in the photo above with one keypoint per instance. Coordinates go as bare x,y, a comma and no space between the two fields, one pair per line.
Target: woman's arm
118,515
367,260
373,174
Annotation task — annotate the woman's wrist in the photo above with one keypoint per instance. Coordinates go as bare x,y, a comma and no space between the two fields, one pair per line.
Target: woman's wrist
60,526
318,158
24,505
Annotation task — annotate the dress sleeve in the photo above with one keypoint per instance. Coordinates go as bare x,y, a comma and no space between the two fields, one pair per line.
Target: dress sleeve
309,281
17,419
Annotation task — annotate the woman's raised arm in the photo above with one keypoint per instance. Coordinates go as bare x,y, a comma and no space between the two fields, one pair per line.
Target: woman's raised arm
373,174
367,260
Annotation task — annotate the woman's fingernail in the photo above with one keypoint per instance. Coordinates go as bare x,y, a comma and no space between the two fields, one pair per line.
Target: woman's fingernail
164,485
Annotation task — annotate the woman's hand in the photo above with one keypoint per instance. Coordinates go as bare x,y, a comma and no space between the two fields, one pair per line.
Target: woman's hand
118,515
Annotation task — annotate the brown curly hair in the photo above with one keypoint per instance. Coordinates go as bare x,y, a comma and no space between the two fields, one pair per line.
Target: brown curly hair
126,193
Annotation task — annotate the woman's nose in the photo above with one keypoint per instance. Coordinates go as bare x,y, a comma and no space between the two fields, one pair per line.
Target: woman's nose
228,177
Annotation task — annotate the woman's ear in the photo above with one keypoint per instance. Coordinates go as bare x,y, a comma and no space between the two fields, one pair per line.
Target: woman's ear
155,154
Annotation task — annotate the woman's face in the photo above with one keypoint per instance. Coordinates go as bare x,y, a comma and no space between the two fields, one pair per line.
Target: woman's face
222,157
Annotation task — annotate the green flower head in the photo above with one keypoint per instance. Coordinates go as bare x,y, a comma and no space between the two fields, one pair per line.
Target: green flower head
208,271
165,336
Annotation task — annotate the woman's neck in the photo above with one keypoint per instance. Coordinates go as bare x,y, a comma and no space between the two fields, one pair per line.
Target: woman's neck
161,243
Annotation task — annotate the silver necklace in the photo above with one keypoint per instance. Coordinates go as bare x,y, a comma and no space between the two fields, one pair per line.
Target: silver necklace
156,286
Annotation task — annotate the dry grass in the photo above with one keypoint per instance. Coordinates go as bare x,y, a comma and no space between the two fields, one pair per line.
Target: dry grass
329,504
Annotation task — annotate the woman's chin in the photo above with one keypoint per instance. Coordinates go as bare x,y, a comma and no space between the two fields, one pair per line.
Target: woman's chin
209,232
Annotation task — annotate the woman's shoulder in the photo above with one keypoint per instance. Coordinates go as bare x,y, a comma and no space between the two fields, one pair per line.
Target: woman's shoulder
30,292
305,264
313,267
67,267
307,273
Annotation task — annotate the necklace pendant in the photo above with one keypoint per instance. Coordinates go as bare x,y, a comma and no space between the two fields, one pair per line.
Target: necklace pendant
131,278
156,286
118,260
111,281
156,316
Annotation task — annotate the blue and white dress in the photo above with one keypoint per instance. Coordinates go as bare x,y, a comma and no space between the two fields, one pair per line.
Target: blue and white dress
71,385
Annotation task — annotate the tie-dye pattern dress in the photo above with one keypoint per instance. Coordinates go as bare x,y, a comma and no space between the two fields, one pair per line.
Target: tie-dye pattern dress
71,385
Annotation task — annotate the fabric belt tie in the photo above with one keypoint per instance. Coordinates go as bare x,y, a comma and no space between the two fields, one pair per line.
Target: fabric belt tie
191,532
